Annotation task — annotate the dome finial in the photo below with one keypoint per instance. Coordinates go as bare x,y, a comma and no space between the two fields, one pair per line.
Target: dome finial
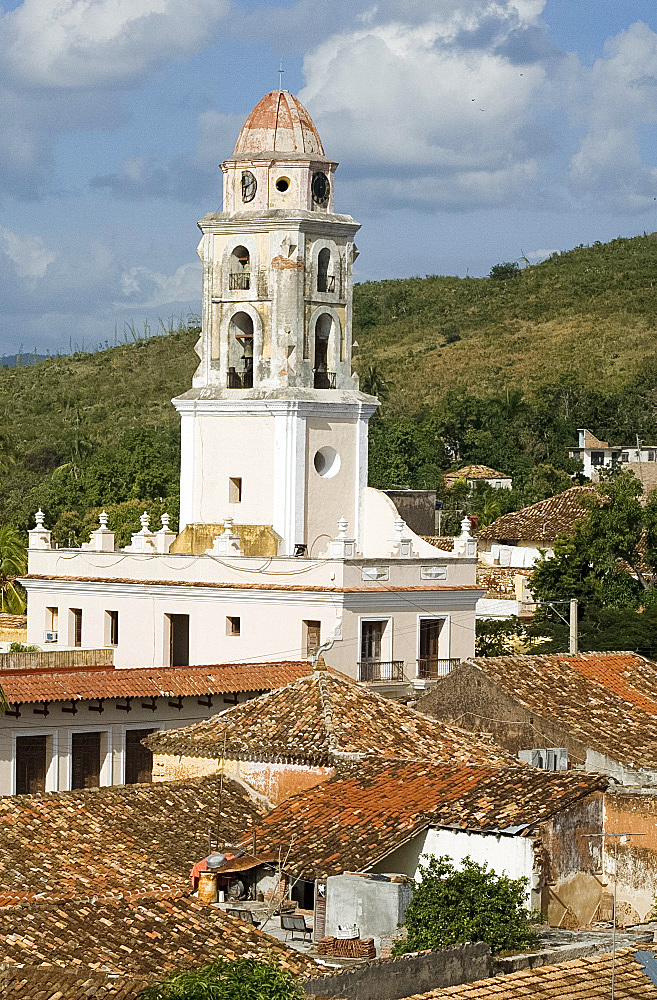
280,75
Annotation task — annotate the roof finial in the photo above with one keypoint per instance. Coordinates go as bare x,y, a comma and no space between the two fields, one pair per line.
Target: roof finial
280,75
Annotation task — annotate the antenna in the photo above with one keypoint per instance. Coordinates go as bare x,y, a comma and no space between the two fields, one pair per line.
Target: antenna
280,75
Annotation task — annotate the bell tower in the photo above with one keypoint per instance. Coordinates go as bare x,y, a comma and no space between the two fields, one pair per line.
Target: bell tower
274,430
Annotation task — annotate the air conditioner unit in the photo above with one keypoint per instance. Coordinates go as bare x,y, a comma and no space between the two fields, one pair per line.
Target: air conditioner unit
51,636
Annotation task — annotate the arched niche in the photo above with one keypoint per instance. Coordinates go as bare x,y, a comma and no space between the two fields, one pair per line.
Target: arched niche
325,340
240,345
325,267
239,267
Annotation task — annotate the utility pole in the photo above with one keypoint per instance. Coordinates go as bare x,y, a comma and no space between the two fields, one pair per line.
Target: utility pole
572,643
616,837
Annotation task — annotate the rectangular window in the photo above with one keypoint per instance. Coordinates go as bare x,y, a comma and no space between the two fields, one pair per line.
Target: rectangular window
625,456
138,758
233,625
312,636
371,640
178,640
52,619
235,489
76,626
85,760
651,456
30,764
597,457
429,663
111,628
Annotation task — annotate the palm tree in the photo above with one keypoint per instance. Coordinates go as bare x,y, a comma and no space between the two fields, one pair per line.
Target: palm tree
13,563
374,382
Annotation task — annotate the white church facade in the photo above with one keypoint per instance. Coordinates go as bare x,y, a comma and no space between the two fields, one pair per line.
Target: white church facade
282,546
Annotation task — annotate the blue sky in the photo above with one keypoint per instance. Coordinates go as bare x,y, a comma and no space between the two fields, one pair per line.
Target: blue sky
468,132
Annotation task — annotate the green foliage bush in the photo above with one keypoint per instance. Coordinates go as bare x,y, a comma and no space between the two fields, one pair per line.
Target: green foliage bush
502,272
451,906
243,979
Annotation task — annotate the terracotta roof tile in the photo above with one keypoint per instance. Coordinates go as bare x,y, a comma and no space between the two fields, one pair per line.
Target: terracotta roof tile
475,472
146,682
580,979
27,982
369,809
141,938
108,841
319,719
607,701
543,521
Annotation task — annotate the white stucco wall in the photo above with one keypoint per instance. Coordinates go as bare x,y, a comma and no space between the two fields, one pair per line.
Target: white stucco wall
505,854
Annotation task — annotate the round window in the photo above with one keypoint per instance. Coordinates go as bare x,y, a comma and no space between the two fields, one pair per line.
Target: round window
282,184
327,462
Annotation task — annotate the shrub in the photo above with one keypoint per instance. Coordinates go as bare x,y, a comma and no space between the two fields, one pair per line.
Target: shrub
451,906
244,979
507,269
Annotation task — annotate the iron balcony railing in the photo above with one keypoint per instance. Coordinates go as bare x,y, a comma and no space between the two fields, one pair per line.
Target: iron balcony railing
432,666
239,281
381,670
239,380
324,380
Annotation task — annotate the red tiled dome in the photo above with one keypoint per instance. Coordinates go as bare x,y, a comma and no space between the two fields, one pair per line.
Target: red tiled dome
279,123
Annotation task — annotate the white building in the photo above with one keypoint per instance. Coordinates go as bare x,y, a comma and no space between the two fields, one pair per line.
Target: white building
282,544
596,455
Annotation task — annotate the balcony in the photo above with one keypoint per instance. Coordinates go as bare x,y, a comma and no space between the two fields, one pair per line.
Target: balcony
372,671
240,281
324,380
432,667
239,380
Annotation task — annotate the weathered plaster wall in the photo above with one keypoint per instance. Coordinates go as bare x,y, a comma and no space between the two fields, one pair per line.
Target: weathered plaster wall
276,782
631,810
571,863
469,699
377,908
392,978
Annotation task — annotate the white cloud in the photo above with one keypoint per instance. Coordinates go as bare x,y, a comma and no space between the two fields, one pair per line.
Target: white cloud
29,254
83,43
143,288
459,104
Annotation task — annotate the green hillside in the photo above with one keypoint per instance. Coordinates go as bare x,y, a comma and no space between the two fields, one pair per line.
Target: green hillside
477,369
588,315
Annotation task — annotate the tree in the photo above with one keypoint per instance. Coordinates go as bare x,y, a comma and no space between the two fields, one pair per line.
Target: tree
451,906
13,563
609,564
374,382
499,638
507,269
243,979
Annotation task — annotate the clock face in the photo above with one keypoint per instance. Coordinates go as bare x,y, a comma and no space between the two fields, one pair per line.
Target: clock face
249,186
320,188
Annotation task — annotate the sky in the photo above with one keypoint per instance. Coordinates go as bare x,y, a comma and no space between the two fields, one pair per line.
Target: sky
469,132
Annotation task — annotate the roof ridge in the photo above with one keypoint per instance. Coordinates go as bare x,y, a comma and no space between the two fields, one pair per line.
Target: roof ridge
327,711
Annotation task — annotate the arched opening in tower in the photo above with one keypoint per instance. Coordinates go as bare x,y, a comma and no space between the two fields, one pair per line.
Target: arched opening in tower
323,264
239,277
240,352
323,378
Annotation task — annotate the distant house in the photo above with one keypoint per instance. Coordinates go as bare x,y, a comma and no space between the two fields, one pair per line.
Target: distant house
382,817
517,539
592,712
75,724
294,738
596,455
475,474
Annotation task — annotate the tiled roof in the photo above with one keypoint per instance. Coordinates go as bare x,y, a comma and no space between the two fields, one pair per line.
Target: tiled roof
580,979
607,701
543,521
318,720
284,587
367,810
121,839
476,472
139,938
444,542
146,682
29,982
